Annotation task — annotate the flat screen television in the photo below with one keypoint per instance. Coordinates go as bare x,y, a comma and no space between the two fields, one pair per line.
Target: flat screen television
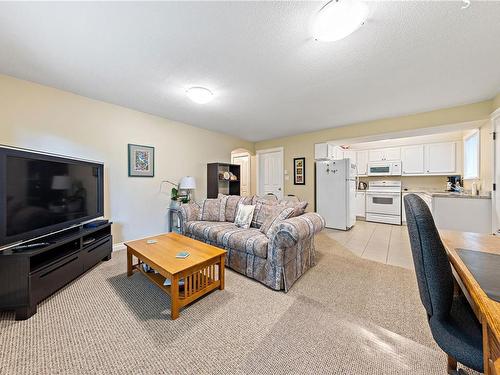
40,193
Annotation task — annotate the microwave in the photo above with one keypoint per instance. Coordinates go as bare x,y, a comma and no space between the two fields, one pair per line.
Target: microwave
384,168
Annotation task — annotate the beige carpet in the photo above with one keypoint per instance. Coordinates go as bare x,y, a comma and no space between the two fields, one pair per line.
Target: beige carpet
347,315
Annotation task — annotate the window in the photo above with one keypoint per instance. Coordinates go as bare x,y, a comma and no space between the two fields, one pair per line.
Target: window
471,156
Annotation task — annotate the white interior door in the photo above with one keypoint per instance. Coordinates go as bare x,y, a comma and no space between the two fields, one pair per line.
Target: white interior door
270,172
243,160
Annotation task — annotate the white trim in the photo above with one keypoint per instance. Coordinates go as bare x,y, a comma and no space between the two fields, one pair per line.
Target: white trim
494,194
495,114
249,171
473,133
257,171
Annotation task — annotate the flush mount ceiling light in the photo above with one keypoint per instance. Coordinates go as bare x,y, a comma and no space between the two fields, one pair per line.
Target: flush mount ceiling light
200,95
338,19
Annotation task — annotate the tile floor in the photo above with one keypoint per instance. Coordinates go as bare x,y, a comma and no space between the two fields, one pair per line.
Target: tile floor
382,243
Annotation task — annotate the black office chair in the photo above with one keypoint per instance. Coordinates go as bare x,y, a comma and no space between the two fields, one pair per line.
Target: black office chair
453,323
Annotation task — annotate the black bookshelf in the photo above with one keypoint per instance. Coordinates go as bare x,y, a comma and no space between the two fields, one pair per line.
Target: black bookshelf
30,275
216,184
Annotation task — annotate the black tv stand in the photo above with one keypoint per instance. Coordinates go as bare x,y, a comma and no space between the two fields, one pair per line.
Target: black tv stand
31,246
29,275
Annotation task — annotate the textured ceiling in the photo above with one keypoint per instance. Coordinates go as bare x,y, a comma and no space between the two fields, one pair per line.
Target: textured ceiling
270,77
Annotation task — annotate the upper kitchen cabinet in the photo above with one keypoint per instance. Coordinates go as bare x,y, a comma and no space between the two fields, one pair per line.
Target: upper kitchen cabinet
440,158
362,162
350,154
321,151
412,159
338,153
385,154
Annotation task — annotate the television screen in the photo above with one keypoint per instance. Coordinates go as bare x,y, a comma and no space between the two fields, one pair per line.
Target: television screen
45,193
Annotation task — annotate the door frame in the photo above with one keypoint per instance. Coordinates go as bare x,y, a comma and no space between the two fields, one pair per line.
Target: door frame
257,169
495,122
249,171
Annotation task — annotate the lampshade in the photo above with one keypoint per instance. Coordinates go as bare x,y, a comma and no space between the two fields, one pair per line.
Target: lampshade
61,183
187,182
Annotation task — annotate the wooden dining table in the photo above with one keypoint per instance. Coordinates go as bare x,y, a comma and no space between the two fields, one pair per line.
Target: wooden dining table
486,309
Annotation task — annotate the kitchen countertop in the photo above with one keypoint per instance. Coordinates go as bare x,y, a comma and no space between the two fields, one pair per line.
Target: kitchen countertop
446,194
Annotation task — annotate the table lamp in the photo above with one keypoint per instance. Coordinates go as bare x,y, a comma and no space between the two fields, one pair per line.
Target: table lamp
187,183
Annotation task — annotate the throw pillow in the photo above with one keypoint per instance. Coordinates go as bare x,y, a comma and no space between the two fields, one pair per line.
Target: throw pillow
213,210
298,207
244,215
263,208
232,205
278,215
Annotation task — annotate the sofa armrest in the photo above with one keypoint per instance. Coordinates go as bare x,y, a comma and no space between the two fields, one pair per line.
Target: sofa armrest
285,239
291,231
188,212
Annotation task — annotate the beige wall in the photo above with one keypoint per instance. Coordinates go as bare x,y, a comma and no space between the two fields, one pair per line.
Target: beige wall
496,103
42,118
303,145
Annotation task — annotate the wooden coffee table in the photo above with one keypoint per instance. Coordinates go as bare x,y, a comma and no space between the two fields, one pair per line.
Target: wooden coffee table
202,271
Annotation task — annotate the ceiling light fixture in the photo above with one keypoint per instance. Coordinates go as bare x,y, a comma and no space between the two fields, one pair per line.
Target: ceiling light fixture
338,19
200,95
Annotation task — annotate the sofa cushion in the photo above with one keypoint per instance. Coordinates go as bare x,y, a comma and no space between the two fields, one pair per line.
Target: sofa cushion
232,205
265,198
213,209
250,241
278,214
263,208
207,230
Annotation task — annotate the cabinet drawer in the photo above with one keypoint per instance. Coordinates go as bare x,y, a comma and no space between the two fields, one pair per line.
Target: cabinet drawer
50,279
95,253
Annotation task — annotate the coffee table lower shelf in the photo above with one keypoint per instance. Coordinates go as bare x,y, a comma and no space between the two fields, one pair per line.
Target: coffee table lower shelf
197,283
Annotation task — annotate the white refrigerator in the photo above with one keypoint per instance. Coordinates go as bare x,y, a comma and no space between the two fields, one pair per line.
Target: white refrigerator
336,192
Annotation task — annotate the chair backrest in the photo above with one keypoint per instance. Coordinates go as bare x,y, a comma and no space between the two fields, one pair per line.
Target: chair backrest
432,267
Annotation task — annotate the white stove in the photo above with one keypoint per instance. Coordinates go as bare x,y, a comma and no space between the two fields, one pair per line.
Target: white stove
383,202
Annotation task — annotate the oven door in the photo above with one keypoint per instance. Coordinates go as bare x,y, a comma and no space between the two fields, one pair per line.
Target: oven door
383,203
379,169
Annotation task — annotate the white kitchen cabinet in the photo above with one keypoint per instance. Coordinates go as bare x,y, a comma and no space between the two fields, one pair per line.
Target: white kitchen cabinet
324,151
376,155
426,198
441,158
362,162
320,151
360,204
412,159
350,154
338,153
385,154
392,153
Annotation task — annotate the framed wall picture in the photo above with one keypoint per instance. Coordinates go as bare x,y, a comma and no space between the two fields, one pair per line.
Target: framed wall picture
141,161
299,171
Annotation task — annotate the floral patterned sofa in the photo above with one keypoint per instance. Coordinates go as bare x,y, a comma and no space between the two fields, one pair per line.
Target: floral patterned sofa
276,259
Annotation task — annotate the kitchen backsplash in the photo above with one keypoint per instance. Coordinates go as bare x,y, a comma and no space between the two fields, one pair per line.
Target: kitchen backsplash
414,182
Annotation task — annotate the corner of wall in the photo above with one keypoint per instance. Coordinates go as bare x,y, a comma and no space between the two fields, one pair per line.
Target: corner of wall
496,103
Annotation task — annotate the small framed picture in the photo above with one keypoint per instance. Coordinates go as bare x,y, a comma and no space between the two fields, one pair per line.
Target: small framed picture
299,171
141,161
